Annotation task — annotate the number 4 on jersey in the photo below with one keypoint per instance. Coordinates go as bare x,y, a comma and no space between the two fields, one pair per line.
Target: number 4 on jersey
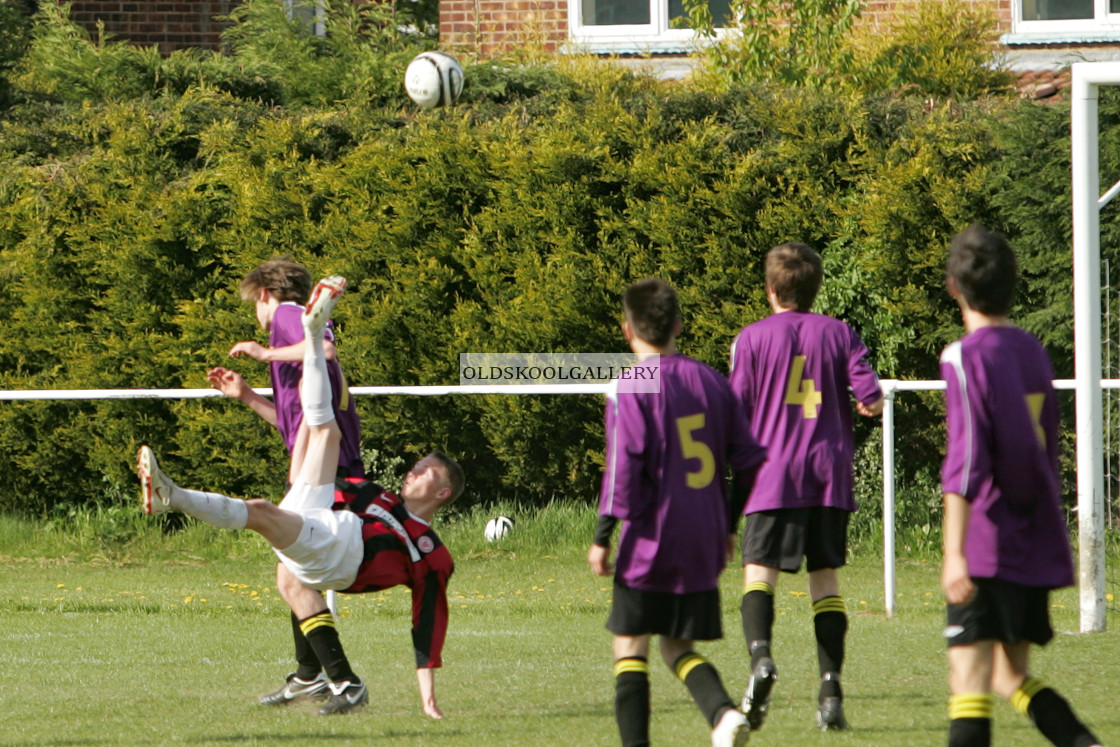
801,391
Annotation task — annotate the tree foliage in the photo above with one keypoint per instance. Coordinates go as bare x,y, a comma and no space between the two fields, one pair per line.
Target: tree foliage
130,208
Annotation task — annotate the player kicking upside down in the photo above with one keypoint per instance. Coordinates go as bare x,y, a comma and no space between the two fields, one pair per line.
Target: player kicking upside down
371,542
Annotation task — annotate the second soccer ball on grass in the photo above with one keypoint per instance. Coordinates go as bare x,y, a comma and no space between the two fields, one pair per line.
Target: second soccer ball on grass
498,527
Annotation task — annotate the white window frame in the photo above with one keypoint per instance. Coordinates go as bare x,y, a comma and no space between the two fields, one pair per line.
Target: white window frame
319,26
1103,26
653,37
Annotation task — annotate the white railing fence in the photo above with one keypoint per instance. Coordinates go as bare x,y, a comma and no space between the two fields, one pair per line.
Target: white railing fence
891,388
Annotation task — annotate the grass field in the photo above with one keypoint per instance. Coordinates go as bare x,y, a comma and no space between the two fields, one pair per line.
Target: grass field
112,632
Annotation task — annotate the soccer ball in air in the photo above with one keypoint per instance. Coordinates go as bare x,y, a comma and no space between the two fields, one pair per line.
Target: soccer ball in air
433,79
498,528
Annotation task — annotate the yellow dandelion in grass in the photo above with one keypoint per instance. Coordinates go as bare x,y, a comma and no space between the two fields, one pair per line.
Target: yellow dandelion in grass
188,600
78,588
1108,597
204,600
61,586
863,602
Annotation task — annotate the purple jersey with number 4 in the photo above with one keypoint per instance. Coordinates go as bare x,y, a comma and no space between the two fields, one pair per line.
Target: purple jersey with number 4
287,329
1002,456
667,455
790,373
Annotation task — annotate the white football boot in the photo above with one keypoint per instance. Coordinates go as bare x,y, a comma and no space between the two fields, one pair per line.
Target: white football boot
732,730
155,488
324,297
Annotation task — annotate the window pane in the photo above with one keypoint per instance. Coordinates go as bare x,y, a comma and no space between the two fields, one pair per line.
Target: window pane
615,12
1114,6
1059,10
721,12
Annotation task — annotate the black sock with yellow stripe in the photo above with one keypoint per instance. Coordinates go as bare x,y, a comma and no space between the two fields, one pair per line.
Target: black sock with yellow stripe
309,666
757,609
1051,714
830,622
970,720
323,637
631,700
703,683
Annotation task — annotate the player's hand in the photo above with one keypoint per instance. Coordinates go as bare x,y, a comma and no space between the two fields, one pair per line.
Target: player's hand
599,558
870,411
955,581
226,381
253,349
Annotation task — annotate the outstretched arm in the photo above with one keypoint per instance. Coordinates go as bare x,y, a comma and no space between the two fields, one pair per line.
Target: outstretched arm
232,385
288,354
427,680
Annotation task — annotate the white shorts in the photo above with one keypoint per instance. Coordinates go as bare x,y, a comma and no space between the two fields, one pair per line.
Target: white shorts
301,497
328,551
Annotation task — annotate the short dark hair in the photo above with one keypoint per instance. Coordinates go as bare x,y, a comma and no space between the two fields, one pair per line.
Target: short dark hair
653,311
794,272
982,266
455,475
281,277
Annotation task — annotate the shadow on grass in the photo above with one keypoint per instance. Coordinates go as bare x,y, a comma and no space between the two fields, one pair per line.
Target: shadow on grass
313,737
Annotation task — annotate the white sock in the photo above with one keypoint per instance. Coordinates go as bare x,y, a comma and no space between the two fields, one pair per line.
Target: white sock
213,508
315,386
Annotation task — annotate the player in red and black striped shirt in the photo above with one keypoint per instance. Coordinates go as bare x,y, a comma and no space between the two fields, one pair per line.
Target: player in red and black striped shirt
386,541
401,549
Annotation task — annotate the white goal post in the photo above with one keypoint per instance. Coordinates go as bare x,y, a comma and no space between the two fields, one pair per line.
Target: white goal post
1088,77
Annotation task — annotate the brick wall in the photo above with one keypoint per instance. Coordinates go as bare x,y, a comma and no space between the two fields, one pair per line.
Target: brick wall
487,27
170,25
881,10
493,26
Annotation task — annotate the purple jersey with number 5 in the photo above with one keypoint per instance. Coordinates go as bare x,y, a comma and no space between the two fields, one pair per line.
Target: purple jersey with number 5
667,456
790,373
287,329
1002,456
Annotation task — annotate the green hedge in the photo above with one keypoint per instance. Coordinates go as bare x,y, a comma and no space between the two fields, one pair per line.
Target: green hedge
511,223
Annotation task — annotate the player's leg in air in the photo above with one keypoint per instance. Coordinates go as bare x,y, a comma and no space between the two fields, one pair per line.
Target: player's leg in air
292,534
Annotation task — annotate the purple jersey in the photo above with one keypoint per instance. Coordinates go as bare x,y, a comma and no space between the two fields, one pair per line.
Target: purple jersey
1002,456
790,373
287,329
667,456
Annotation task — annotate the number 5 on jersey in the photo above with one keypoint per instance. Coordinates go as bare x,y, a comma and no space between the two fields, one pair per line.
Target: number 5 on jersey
801,391
693,449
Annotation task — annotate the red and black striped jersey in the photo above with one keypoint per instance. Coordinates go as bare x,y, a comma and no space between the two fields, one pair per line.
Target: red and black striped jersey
401,549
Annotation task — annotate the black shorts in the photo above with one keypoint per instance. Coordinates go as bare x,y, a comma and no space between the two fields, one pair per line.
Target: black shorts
1000,611
781,537
693,617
